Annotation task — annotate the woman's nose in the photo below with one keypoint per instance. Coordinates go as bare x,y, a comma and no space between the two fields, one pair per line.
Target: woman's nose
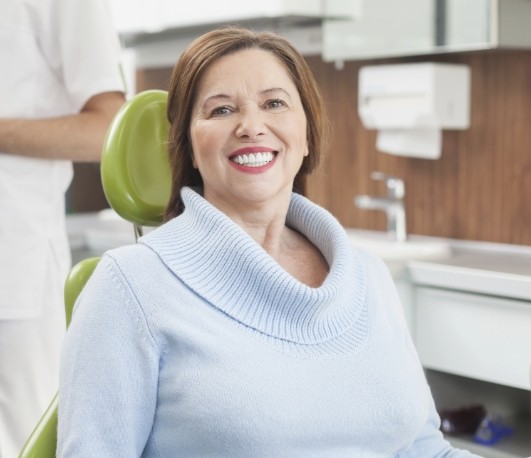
250,124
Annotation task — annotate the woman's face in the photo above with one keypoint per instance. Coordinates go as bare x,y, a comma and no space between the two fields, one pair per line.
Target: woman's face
248,130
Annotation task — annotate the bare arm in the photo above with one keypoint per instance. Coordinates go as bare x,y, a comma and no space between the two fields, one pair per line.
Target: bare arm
77,137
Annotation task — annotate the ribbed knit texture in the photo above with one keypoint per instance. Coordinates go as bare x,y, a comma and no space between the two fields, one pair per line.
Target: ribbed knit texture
220,262
196,343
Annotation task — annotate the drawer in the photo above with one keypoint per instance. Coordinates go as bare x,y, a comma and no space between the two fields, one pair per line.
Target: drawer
475,336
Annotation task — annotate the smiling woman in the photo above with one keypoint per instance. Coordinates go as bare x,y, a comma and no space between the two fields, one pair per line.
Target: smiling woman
248,133
268,53
246,325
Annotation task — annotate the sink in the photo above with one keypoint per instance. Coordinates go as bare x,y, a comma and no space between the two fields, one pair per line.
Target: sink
396,254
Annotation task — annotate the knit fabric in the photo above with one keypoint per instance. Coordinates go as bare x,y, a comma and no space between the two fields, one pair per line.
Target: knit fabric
196,343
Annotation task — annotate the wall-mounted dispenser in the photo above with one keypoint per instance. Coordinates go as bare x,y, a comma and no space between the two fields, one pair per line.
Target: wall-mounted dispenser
409,104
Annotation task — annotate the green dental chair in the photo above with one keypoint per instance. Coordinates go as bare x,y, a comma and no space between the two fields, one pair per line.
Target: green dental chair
136,180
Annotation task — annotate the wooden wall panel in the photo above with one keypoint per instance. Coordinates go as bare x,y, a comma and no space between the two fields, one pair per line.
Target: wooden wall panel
478,190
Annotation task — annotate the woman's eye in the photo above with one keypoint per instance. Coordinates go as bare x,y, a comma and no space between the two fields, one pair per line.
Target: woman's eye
275,103
220,111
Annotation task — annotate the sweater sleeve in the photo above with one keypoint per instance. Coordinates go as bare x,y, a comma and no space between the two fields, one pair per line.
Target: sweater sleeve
109,372
431,442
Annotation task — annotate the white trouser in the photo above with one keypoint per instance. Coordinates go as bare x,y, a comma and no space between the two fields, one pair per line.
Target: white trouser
29,365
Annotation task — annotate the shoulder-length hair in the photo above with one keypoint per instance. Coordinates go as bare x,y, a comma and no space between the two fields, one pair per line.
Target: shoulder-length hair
183,89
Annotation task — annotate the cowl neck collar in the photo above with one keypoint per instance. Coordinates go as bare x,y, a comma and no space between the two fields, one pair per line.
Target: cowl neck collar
220,262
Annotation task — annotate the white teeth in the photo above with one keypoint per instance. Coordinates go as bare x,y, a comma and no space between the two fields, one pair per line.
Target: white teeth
254,159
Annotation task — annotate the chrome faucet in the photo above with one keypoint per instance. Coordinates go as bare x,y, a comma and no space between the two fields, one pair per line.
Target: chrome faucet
392,205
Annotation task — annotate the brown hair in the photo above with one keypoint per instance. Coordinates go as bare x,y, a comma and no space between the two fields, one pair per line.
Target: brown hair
187,73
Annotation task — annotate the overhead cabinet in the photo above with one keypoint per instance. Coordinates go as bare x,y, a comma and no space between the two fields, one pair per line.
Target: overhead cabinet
140,17
387,28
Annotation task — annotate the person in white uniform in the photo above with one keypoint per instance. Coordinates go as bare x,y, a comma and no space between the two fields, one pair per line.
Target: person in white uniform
60,85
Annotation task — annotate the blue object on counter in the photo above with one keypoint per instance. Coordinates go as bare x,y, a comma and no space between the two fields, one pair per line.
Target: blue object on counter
491,429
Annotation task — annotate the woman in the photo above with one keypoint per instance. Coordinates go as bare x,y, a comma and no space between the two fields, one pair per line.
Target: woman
246,326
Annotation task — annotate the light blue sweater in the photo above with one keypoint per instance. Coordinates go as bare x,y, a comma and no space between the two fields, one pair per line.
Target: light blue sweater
196,343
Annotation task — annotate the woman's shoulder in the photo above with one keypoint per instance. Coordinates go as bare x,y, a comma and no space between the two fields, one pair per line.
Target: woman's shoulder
134,254
377,273
128,264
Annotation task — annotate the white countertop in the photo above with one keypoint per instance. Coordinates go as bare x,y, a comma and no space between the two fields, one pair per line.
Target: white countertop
479,267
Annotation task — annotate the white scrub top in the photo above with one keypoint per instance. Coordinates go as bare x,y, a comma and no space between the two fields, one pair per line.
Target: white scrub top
54,56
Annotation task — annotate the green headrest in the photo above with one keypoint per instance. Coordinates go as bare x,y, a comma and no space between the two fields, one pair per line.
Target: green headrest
134,166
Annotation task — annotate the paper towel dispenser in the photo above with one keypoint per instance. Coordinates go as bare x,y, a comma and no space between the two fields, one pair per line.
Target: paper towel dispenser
409,104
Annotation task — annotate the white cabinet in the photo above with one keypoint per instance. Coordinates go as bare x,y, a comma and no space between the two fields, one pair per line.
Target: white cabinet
389,28
139,16
158,31
475,336
471,324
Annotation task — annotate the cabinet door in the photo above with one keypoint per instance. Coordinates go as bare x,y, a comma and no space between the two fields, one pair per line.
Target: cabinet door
476,336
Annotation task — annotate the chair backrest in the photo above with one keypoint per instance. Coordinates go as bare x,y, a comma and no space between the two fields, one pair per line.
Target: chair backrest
136,181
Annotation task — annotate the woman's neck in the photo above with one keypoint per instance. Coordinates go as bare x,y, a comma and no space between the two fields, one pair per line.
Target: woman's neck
263,221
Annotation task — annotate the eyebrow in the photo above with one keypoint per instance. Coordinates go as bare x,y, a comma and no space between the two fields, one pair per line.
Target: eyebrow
216,97
275,89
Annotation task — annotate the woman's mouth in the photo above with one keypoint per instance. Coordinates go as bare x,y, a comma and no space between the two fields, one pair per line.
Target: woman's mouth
258,159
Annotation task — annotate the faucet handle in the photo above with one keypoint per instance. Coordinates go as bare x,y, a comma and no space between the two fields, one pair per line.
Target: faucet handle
395,186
